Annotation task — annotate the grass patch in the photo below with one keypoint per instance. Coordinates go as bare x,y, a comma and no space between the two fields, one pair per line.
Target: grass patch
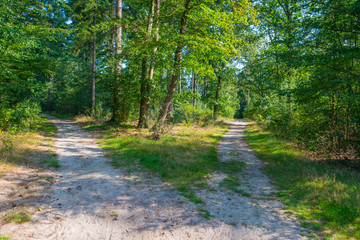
17,217
204,213
49,179
324,196
64,117
2,237
192,197
184,156
49,162
15,148
230,183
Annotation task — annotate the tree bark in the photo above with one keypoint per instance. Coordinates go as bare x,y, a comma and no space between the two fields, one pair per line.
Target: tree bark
93,69
116,87
145,80
194,87
217,94
49,93
157,128
180,84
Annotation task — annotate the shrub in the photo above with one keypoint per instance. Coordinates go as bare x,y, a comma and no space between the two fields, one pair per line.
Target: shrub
188,114
20,117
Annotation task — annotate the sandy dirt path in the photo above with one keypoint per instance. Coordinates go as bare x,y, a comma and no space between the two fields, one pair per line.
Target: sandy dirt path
92,200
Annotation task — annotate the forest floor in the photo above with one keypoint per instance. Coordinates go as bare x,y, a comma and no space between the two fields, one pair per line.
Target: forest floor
90,199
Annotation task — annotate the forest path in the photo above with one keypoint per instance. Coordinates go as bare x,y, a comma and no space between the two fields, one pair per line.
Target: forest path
92,200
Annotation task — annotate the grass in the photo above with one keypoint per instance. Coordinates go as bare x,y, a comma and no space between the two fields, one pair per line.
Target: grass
58,115
15,148
184,156
2,237
204,213
50,162
324,196
18,217
49,179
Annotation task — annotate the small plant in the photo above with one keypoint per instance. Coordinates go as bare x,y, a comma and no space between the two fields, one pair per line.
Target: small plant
192,197
17,217
115,164
204,213
51,163
49,179
114,215
242,193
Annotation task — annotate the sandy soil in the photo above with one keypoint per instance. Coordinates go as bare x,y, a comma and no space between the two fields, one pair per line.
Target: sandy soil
92,200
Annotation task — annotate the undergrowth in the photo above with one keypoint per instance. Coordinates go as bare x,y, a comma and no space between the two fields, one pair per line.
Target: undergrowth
324,196
16,147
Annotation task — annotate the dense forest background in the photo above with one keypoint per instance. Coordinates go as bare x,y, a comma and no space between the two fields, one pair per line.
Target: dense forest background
291,65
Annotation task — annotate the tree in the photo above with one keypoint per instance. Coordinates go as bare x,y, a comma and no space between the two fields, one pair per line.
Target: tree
212,39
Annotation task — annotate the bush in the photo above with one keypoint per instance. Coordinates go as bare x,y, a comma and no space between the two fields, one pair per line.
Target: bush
100,113
20,117
189,114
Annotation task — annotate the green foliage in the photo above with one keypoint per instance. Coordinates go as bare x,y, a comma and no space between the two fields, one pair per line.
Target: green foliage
303,80
27,32
189,114
19,118
324,196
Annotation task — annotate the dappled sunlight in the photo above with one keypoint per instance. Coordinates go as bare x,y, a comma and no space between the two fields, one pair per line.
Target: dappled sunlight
88,194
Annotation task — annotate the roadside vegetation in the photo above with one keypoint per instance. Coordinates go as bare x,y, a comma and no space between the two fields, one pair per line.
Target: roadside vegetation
325,196
26,160
17,147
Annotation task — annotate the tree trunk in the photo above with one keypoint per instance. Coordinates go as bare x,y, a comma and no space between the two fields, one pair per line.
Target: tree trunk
145,81
205,91
49,93
194,87
217,94
157,128
180,84
116,87
93,69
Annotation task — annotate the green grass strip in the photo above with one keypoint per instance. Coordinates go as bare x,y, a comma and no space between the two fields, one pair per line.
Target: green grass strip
326,197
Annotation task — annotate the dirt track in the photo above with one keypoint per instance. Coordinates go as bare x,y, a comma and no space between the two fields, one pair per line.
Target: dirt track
91,200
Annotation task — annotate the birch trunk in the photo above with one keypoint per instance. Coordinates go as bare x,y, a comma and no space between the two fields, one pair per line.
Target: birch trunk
116,89
145,85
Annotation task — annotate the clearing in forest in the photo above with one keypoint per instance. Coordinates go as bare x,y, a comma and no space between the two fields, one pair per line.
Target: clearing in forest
92,200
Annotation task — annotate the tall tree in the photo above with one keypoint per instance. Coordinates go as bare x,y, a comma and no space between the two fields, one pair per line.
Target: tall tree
145,78
116,87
